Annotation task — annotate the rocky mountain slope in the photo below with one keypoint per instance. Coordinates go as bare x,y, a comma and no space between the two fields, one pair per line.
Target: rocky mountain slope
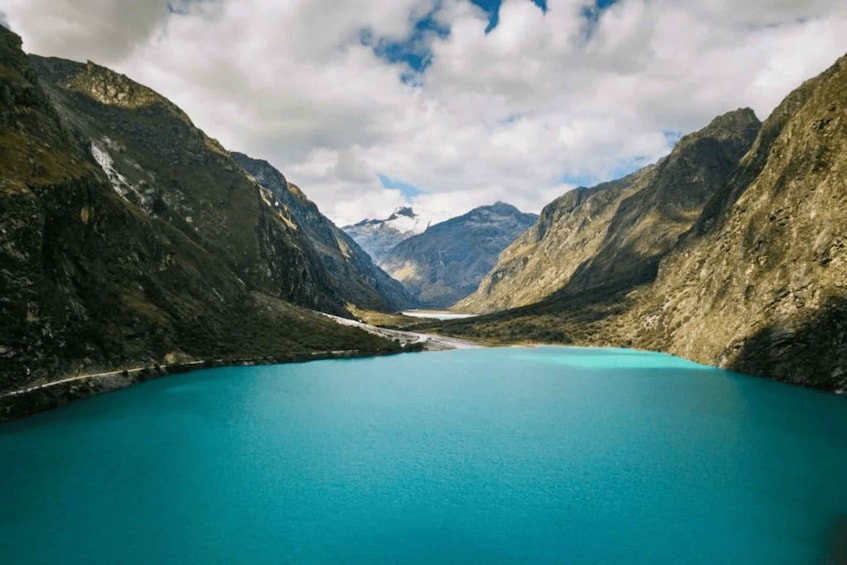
614,235
541,261
379,237
759,282
156,159
346,265
129,238
446,262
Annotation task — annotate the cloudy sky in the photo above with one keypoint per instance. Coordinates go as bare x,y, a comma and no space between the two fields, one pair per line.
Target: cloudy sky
447,104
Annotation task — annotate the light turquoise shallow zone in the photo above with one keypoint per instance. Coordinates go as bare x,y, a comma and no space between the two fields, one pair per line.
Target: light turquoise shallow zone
554,454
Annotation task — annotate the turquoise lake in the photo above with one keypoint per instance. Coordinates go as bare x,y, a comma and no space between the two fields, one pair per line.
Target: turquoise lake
510,455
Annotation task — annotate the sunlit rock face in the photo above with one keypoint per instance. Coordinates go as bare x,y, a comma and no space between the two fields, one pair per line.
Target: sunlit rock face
614,235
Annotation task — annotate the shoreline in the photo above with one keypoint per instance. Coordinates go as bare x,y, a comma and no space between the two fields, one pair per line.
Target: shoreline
21,403
17,404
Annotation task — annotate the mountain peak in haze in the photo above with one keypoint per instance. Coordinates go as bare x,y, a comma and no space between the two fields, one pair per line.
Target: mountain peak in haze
446,262
402,211
378,237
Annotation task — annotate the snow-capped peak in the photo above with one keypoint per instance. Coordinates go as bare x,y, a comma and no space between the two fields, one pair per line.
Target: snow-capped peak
406,221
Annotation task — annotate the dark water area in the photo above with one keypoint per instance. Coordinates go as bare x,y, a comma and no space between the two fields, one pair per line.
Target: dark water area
510,455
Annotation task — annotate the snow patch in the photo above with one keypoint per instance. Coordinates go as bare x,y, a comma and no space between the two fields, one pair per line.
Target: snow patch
119,182
407,224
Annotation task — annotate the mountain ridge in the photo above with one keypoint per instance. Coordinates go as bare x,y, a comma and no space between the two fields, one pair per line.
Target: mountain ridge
379,237
343,259
615,233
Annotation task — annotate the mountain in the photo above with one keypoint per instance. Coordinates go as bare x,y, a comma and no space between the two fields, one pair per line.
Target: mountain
129,238
346,265
379,237
541,261
446,262
758,283
158,161
614,235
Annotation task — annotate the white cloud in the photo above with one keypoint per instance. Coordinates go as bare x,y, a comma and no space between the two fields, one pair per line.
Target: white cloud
506,115
102,30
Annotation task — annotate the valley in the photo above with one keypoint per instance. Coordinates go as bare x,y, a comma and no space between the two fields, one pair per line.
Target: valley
466,281
174,248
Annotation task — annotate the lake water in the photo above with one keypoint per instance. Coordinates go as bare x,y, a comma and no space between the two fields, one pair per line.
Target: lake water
554,454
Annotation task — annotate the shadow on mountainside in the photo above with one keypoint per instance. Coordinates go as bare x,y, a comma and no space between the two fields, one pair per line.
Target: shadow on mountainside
815,347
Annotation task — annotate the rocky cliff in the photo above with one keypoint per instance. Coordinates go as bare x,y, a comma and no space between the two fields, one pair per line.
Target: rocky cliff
446,262
128,238
760,283
757,283
614,235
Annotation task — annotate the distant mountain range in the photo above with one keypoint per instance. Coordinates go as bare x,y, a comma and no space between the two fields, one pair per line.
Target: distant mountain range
379,237
446,261
731,251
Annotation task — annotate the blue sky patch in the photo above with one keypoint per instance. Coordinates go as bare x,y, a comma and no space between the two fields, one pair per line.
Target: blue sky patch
592,15
580,180
407,190
412,51
672,136
492,8
629,166
622,169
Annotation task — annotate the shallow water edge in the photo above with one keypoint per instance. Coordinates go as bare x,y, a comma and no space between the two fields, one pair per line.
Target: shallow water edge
62,391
